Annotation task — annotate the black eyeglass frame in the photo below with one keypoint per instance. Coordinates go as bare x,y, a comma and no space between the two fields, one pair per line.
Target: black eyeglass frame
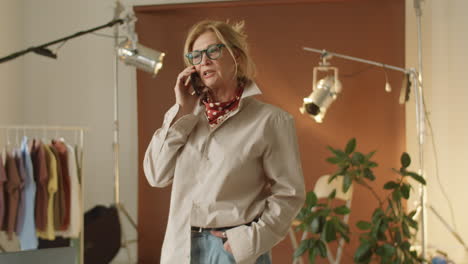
189,55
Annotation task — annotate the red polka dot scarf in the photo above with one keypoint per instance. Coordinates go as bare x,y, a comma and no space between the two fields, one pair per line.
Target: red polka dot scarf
216,112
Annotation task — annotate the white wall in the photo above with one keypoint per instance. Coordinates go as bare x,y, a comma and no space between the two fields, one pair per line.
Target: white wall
445,39
11,28
11,87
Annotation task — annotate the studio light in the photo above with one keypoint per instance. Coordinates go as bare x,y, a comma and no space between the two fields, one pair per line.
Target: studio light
141,57
324,92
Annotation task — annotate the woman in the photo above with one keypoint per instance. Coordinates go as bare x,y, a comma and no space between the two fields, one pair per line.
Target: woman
233,161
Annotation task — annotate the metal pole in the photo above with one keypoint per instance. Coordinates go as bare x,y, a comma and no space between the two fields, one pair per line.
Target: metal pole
379,64
116,145
421,129
82,238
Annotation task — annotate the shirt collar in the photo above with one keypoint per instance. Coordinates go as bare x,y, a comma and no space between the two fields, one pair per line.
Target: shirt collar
250,90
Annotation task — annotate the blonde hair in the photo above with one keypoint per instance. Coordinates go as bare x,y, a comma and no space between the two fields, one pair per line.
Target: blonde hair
235,40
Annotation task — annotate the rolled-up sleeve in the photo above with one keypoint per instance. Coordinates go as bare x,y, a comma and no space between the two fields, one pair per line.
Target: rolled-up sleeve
282,165
161,154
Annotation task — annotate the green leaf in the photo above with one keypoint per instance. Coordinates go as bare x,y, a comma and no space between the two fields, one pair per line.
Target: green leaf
303,246
338,153
312,242
322,248
311,199
378,213
370,154
324,212
334,160
329,232
358,157
405,229
303,214
405,245
363,225
332,195
379,229
405,160
340,225
386,250
411,222
369,174
372,164
391,185
417,177
396,195
375,229
405,190
342,210
343,229
347,181
363,252
383,227
332,177
350,146
355,162
397,235
312,255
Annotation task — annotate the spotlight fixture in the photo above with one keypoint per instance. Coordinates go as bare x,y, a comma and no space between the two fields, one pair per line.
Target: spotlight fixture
141,57
324,92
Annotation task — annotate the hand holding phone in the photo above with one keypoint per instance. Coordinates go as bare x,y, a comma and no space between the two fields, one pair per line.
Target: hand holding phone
196,83
183,92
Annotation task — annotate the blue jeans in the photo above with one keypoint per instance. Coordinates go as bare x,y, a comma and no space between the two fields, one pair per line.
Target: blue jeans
208,249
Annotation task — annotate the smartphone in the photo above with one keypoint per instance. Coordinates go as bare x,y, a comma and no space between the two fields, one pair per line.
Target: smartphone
196,83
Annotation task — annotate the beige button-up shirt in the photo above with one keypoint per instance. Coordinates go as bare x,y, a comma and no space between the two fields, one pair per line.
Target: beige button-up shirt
245,168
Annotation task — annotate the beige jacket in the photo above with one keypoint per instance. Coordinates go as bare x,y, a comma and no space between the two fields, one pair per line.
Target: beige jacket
220,177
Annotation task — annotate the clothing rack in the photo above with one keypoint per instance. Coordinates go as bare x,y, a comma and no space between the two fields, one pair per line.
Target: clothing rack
43,129
81,130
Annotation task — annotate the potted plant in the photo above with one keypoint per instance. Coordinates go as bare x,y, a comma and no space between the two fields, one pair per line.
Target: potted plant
384,237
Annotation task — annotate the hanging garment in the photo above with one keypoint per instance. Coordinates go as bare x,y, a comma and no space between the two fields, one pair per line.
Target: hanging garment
13,195
41,177
63,157
59,199
22,177
3,180
26,229
79,161
76,210
21,213
49,233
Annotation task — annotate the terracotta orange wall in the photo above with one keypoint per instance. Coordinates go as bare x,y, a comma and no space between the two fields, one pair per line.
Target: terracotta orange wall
368,29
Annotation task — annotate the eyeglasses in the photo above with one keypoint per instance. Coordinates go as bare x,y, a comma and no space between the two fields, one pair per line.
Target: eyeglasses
213,52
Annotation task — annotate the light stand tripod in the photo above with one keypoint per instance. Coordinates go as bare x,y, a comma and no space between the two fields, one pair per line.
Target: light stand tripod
116,144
